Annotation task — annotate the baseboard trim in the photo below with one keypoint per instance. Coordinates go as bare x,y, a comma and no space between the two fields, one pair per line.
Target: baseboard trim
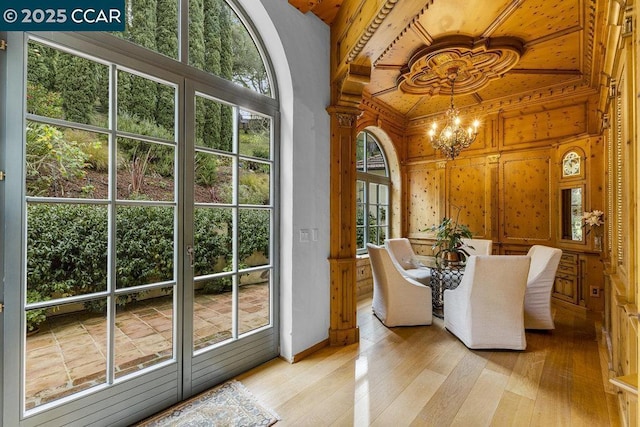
298,357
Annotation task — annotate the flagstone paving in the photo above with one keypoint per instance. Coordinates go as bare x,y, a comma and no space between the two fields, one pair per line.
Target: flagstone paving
68,354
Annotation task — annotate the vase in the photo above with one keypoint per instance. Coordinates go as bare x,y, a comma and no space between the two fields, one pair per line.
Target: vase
597,243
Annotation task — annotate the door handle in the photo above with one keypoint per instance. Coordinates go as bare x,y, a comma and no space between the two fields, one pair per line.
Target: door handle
191,252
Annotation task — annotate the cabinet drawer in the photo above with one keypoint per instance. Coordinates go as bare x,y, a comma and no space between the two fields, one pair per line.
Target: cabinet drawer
569,258
567,269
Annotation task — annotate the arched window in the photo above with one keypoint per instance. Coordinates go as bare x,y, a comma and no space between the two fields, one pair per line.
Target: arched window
372,193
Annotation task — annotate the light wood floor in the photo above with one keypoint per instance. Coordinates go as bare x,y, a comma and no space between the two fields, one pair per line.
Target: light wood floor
424,376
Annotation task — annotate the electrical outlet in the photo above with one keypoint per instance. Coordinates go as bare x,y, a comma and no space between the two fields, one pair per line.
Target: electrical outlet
594,291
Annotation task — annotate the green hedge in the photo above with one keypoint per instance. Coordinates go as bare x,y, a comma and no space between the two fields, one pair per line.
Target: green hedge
67,245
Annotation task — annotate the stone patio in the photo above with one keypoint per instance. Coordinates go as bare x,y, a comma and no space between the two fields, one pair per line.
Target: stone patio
68,354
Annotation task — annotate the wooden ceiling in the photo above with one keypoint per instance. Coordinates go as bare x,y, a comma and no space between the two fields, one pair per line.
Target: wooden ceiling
505,50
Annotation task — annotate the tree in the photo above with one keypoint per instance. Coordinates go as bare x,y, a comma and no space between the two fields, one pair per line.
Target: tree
211,135
197,57
248,66
167,44
142,31
78,85
226,71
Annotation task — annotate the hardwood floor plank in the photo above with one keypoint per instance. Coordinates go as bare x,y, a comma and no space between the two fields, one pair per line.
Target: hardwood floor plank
407,405
553,401
442,408
480,406
513,410
425,376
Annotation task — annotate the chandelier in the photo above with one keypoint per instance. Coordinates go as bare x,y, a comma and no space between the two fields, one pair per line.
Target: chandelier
454,137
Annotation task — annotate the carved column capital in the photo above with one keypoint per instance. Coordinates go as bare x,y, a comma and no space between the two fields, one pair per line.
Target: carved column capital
346,117
493,158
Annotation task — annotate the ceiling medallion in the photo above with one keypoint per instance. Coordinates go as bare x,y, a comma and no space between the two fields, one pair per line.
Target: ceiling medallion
477,61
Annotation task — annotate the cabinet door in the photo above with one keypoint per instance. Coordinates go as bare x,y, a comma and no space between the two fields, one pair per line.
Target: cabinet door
566,288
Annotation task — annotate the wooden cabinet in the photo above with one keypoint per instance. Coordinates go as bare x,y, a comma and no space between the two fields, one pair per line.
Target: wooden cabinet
567,283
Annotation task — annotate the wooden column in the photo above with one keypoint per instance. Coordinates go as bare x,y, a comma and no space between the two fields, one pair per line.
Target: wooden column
343,327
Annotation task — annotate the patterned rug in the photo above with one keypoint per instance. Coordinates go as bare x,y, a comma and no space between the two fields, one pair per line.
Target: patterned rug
229,404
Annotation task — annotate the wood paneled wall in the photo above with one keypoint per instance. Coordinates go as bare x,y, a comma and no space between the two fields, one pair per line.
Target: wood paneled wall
506,186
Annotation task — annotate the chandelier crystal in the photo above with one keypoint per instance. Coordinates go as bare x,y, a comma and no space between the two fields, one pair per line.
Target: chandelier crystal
453,138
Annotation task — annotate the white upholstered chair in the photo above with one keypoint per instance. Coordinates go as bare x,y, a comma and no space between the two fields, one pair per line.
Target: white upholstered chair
478,246
405,259
537,299
486,309
397,300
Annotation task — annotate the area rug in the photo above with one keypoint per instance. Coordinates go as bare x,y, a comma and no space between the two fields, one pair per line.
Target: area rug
228,405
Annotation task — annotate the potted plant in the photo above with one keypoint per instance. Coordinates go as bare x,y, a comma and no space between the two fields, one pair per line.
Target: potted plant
448,244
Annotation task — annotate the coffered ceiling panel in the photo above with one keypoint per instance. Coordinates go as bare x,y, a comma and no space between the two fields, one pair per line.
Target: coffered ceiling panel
461,17
500,51
533,19
558,53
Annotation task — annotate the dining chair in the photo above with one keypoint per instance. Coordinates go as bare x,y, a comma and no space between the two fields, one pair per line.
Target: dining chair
397,299
542,275
486,310
405,259
477,246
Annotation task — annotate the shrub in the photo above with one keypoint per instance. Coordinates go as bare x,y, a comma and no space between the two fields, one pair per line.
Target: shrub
51,159
67,247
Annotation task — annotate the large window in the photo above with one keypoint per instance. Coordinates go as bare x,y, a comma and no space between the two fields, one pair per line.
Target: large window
372,193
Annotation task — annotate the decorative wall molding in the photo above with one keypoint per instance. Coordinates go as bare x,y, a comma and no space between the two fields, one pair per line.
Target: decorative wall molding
517,102
415,25
371,29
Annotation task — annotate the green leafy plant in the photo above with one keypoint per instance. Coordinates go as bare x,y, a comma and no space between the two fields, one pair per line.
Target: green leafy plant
448,244
37,316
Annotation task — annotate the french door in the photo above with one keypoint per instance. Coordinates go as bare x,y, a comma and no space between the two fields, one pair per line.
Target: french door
138,259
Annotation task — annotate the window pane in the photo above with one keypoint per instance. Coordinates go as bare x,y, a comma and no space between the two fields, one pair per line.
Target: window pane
144,331
65,86
221,45
66,162
255,187
360,186
213,178
155,28
212,311
144,245
373,235
214,124
360,152
66,250
254,135
254,300
382,215
212,240
67,355
146,170
360,237
383,194
145,107
254,237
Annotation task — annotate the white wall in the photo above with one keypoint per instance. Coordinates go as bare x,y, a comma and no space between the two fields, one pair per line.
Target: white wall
299,48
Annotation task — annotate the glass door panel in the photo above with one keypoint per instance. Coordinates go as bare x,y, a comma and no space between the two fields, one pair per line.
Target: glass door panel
101,227
233,223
